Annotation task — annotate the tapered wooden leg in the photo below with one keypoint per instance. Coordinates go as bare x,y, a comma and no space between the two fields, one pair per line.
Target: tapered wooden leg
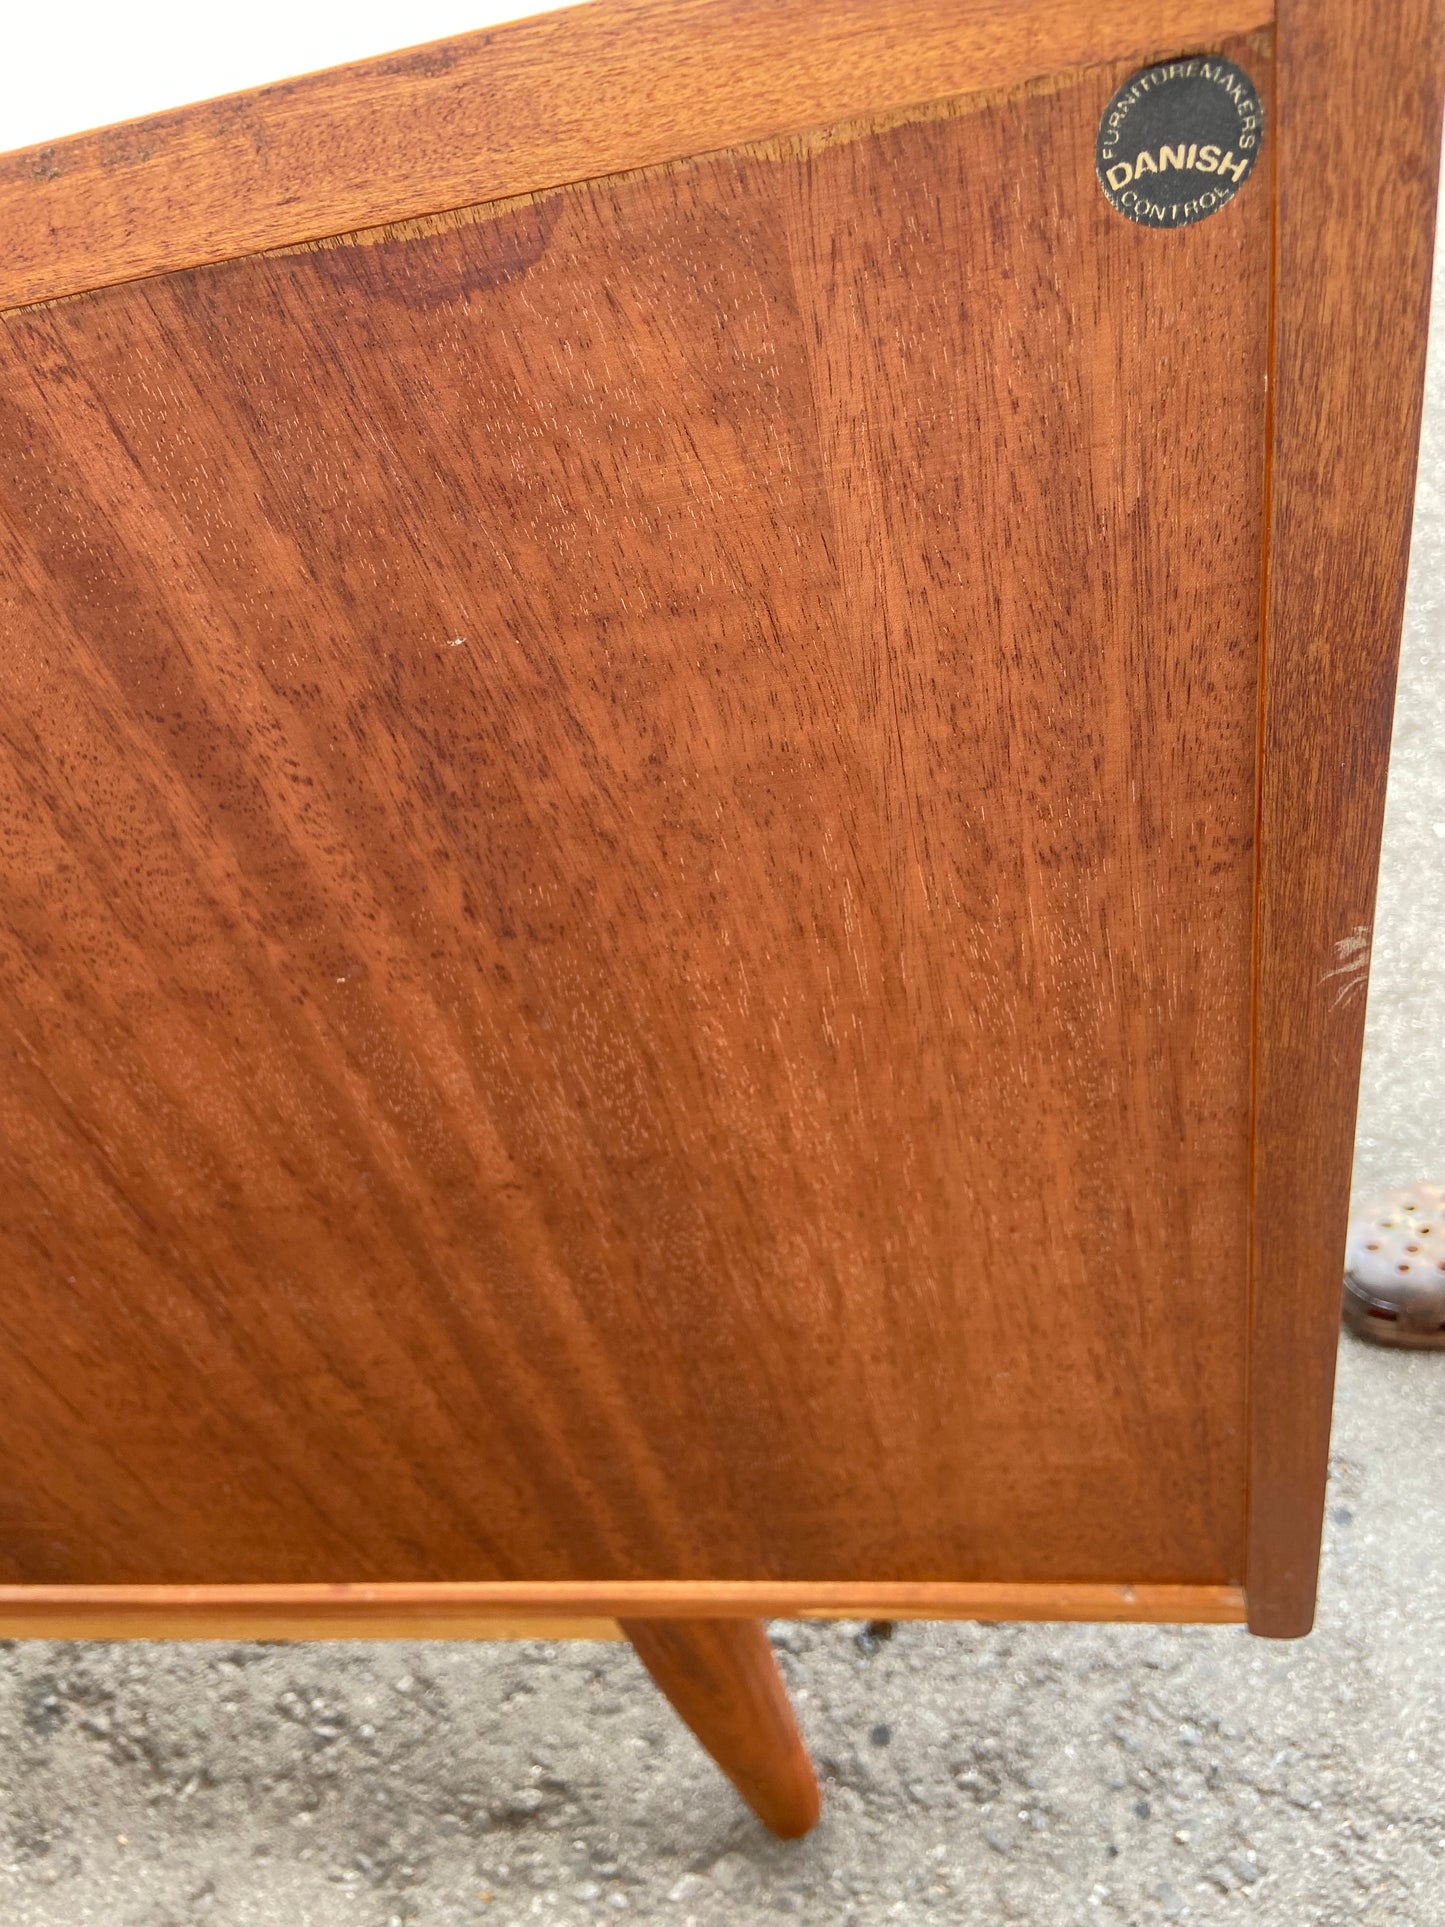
723,1681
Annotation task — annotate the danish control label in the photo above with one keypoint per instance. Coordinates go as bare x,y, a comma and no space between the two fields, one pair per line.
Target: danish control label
1178,141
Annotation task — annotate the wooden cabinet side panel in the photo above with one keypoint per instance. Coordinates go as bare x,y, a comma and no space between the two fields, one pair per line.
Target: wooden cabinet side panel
629,897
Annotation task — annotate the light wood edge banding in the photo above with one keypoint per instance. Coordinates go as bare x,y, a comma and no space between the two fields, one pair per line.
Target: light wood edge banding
564,1609
275,1623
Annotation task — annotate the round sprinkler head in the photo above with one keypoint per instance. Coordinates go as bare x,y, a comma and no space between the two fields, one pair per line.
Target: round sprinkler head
1395,1269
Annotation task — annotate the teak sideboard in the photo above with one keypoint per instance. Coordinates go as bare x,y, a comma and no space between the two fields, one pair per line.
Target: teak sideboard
693,743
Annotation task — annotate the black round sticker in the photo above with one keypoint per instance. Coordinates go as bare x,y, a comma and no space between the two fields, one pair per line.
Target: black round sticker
1177,141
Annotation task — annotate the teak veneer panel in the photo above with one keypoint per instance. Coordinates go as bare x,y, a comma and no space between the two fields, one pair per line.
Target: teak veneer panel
629,877
569,96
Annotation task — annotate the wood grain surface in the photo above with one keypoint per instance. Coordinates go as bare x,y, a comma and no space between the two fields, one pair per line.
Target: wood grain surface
167,1617
566,97
628,884
1357,155
514,1609
722,1679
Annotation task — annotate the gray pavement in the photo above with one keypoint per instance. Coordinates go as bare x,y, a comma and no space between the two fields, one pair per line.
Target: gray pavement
1048,1775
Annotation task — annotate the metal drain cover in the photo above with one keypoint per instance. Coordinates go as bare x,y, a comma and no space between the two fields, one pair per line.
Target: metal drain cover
1395,1268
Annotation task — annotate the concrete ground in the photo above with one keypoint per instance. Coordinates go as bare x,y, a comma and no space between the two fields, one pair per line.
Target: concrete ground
1049,1775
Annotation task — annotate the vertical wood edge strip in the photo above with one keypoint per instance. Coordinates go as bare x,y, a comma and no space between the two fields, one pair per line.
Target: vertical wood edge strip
1358,102
569,96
